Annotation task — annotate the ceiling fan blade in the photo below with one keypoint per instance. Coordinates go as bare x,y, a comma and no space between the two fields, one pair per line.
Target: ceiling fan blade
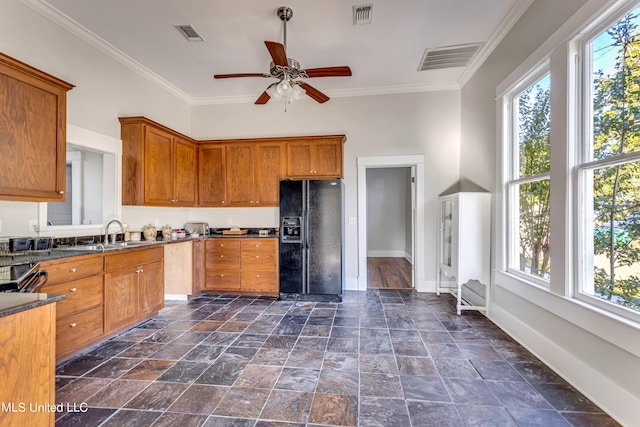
328,72
263,98
276,50
314,93
230,76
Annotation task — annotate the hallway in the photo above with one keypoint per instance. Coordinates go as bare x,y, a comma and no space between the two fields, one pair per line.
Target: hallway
388,273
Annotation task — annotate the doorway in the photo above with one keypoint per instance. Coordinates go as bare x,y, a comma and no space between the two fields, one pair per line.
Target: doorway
416,164
390,223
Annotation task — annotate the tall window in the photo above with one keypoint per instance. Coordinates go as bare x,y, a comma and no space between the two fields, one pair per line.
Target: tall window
529,184
609,168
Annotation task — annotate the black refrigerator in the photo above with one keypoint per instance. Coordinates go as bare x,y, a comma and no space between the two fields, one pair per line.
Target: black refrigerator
311,248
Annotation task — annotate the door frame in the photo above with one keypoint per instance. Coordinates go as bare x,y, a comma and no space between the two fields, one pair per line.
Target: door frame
417,161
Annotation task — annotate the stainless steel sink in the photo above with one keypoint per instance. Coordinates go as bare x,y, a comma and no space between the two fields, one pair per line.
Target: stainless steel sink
93,248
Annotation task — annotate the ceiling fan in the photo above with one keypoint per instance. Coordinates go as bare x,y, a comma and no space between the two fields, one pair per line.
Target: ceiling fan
287,70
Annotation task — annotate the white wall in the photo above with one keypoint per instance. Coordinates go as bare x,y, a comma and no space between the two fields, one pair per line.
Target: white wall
594,352
387,208
405,124
105,88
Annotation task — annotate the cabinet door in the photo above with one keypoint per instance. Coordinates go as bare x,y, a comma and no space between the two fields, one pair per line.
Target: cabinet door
326,159
240,175
185,173
150,288
198,267
298,159
268,171
211,175
121,298
32,134
158,167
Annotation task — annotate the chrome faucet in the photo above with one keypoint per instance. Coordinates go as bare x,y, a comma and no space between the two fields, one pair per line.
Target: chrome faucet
113,236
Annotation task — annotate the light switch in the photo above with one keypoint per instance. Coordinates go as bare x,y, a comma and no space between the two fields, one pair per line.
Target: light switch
352,220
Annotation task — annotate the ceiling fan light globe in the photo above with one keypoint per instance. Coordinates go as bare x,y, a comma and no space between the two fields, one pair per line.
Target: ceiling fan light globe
273,93
298,92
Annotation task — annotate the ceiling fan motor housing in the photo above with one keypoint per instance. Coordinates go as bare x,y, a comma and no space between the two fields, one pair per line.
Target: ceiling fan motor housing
285,13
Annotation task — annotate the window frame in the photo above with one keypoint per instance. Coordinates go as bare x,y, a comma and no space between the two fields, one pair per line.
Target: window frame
512,180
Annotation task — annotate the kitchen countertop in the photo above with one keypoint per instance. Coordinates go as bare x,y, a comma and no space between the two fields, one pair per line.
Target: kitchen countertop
15,302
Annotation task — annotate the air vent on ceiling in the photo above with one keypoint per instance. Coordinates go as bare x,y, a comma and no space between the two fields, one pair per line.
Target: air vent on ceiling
448,56
189,32
363,14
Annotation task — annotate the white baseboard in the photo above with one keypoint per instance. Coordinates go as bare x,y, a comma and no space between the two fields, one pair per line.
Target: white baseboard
386,254
176,297
616,401
351,284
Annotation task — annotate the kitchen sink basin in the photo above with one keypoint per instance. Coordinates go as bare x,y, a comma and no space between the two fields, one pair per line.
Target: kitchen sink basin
94,248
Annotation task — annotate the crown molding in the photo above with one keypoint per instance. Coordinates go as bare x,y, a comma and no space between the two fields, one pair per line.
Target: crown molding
384,90
515,13
94,40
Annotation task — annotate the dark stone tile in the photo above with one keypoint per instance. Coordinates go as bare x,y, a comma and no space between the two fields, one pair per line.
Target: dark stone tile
564,397
117,393
148,370
206,325
258,376
286,405
182,325
270,356
383,412
489,416
110,348
433,414
436,336
424,388
199,399
334,409
250,340
298,379
340,361
380,385
409,348
80,390
374,322
311,343
242,402
229,422
80,365
63,381
259,328
479,351
584,419
113,368
400,323
142,350
420,366
233,325
316,330
381,364
164,336
496,370
280,341
137,334
470,391
305,359
518,395
376,345
429,325
157,397
537,372
343,345
338,382
346,321
204,353
155,324
527,417
92,417
183,372
183,420
191,337
292,329
130,418
445,351
219,338
456,368
224,371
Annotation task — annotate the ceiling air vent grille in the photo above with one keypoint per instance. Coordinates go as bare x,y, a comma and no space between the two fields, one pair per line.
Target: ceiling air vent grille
363,14
189,32
448,56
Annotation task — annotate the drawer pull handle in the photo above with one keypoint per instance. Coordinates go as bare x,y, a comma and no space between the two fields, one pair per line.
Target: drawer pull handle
257,256
258,245
73,270
73,325
257,275
73,289
222,275
221,256
140,270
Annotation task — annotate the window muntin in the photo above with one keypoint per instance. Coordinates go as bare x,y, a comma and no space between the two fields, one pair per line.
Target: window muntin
529,184
609,170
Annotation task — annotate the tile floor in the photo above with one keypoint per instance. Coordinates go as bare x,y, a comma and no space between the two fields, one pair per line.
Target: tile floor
380,358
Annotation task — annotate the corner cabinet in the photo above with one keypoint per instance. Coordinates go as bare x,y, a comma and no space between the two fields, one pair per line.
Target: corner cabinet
463,262
315,157
158,165
33,109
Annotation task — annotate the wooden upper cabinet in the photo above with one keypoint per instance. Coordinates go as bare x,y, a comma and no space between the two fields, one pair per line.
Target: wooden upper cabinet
240,175
158,165
315,157
267,173
212,175
33,120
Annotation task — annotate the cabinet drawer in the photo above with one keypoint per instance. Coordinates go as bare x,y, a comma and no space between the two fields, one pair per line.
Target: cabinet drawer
223,280
133,257
259,260
227,246
75,331
222,261
259,245
264,281
81,294
70,269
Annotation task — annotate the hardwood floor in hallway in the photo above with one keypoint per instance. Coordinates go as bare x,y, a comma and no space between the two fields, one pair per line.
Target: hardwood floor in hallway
388,273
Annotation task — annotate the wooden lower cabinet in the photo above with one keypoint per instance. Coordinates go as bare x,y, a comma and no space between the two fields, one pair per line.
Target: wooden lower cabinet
27,340
242,264
80,317
134,286
198,266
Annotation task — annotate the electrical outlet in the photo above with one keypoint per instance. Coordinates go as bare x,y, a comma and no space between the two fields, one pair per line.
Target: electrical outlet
156,222
229,221
33,225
